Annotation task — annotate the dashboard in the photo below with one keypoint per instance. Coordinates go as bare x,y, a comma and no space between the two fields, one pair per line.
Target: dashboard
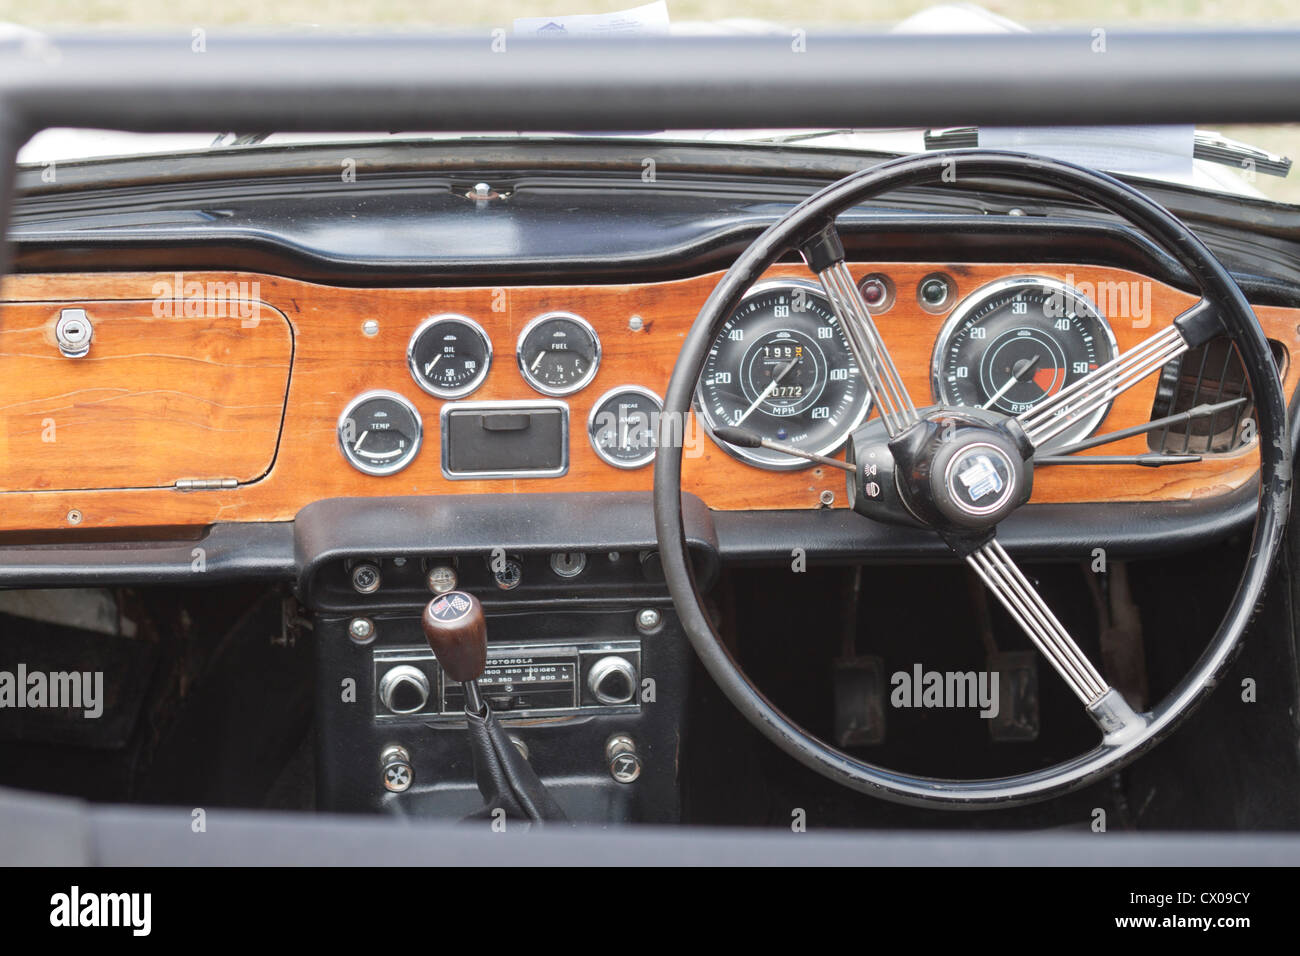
186,399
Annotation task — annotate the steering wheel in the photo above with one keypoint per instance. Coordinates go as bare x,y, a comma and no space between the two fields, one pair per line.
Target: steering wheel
922,457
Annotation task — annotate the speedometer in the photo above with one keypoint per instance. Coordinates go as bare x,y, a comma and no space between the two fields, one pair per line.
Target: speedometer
1015,342
782,367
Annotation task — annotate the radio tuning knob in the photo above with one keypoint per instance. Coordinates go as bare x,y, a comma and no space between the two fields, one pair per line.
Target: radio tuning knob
404,689
612,680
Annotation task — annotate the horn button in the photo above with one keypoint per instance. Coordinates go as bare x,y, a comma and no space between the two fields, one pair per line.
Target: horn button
957,470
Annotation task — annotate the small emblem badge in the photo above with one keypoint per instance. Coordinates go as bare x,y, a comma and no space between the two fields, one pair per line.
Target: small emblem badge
980,478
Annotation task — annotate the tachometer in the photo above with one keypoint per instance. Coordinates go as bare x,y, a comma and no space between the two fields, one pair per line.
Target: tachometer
1015,342
782,366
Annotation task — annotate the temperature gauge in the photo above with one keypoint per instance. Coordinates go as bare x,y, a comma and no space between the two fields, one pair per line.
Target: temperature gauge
380,432
449,355
558,353
622,425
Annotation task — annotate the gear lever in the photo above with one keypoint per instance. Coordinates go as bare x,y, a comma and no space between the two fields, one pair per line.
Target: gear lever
456,629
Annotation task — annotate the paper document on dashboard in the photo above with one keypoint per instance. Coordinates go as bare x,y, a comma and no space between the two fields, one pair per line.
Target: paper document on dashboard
650,18
1153,150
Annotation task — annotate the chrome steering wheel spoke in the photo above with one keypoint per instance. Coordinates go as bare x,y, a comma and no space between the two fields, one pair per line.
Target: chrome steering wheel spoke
1070,405
1105,705
824,254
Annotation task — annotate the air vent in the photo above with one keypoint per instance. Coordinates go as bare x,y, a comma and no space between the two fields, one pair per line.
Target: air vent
1206,375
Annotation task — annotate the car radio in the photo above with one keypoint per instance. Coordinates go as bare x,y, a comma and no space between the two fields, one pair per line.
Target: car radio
521,680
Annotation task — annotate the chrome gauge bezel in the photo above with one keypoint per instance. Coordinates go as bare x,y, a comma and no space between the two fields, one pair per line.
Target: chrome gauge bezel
461,390
978,297
399,464
542,387
591,425
705,417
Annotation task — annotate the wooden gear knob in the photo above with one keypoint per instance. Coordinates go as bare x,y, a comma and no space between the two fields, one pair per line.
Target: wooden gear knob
455,627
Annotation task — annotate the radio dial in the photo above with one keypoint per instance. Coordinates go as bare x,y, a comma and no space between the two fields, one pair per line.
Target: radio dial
404,689
612,680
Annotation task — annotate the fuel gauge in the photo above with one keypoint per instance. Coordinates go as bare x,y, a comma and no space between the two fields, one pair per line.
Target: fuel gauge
380,432
558,353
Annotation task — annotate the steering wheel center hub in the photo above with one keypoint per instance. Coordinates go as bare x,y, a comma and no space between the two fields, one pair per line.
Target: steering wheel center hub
961,470
978,480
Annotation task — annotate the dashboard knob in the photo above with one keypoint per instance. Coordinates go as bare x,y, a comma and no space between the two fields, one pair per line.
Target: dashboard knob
612,680
624,761
404,689
366,578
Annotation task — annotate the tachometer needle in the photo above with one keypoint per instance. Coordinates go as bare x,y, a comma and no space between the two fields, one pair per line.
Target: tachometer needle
1020,372
776,380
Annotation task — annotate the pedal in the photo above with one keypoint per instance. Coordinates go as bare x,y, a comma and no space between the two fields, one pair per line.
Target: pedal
859,685
1017,716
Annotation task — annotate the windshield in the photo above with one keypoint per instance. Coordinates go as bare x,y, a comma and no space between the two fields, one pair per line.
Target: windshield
1250,161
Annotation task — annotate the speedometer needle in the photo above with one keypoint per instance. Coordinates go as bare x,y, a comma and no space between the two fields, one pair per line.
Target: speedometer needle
1021,371
776,380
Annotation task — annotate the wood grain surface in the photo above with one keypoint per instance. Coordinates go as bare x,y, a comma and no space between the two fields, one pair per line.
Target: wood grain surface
334,359
158,398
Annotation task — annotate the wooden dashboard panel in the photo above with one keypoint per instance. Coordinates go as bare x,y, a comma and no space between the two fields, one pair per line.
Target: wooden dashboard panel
334,359
160,397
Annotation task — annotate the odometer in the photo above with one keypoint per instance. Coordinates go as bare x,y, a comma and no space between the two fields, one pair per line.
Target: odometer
1014,343
782,367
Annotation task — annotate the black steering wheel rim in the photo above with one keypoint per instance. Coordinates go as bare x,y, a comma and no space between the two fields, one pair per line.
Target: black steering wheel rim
1214,284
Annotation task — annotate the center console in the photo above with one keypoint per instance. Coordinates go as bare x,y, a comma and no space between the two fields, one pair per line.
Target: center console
587,670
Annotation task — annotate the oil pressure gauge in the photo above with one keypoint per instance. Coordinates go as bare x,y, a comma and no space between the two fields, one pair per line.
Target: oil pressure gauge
380,432
558,353
449,355
621,426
